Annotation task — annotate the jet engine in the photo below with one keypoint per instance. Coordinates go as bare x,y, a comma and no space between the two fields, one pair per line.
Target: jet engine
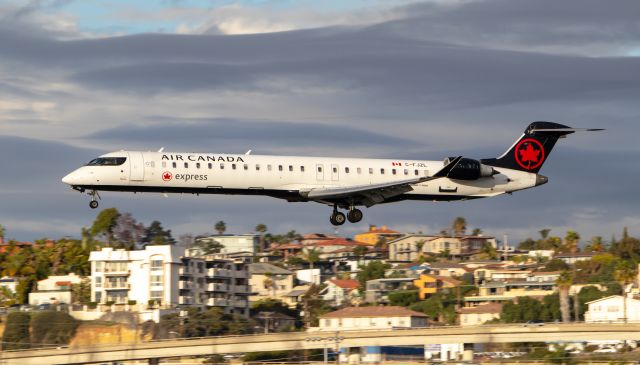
469,169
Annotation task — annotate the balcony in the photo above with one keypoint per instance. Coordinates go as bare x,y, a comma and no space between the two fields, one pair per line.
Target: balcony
185,271
185,285
117,286
219,272
185,300
218,287
116,272
240,303
241,274
218,302
242,289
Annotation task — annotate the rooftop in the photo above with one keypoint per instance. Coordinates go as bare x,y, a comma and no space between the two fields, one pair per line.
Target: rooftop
265,268
345,283
380,311
484,308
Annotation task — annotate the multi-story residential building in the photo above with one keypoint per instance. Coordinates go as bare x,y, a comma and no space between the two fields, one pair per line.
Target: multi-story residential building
234,243
408,248
379,289
375,235
448,269
411,247
269,281
431,284
161,274
54,290
364,318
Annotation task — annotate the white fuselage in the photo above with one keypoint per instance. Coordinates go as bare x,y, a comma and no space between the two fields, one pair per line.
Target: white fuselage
281,176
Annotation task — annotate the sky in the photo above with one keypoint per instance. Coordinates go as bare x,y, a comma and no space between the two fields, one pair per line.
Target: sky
378,78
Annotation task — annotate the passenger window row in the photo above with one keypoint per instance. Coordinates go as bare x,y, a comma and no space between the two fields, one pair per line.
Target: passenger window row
291,168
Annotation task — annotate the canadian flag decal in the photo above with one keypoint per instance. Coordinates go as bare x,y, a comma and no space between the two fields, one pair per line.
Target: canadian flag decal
396,164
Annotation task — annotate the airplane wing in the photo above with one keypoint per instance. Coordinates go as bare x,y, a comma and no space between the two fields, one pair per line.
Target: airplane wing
374,193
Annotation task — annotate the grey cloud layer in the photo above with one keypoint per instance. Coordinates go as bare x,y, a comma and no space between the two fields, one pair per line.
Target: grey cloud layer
440,81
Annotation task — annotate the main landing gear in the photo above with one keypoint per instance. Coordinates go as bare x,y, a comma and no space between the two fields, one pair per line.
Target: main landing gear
94,203
338,218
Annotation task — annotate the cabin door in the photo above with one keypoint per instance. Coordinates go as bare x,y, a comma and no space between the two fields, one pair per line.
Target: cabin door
136,166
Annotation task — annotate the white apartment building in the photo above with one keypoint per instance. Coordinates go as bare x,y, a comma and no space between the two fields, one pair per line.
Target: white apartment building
161,274
611,310
234,243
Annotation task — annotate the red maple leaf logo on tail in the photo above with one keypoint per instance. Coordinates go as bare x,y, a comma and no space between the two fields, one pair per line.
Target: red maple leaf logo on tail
529,154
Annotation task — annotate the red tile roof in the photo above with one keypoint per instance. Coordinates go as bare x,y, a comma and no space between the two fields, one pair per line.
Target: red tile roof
380,311
346,283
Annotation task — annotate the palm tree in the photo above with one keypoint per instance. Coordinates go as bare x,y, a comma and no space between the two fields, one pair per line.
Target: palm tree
624,274
571,241
220,227
459,226
419,245
2,233
596,244
261,229
564,282
312,256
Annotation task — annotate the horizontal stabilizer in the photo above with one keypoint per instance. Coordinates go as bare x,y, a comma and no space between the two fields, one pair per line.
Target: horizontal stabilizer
570,130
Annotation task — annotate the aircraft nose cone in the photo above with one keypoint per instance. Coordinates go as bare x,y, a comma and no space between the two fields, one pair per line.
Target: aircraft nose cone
68,179
541,180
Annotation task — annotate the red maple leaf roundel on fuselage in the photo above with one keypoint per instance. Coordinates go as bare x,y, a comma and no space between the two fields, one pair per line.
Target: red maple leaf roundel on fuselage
166,176
529,154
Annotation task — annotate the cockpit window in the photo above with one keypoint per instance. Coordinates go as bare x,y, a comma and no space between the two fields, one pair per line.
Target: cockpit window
107,161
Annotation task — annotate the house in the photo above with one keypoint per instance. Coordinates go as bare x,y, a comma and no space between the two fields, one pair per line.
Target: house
275,322
377,290
430,284
286,250
295,296
326,246
611,310
340,291
234,243
409,247
269,281
458,247
54,290
375,235
365,318
473,316
448,269
9,283
572,258
502,291
162,275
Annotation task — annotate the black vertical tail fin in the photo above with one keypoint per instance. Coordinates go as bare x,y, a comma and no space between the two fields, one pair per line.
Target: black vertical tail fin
532,149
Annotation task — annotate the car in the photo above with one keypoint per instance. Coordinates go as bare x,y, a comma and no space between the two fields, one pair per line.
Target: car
534,323
44,307
606,350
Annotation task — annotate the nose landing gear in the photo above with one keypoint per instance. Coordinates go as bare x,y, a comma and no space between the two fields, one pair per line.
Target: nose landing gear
94,203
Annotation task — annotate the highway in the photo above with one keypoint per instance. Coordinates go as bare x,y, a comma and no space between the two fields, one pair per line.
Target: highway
154,350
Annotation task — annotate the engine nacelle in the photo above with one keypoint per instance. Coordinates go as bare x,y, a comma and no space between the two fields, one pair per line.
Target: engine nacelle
469,169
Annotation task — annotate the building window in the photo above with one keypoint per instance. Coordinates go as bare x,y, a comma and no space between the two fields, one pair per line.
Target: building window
156,280
98,296
98,282
156,264
156,294
98,266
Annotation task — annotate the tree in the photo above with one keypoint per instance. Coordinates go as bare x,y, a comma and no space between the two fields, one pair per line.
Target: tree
311,255
3,231
209,246
476,232
624,274
24,287
564,282
571,241
596,244
16,333
104,223
127,232
52,327
156,235
262,230
220,226
81,292
459,226
359,251
374,270
403,298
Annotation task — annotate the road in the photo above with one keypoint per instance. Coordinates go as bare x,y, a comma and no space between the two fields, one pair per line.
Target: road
297,340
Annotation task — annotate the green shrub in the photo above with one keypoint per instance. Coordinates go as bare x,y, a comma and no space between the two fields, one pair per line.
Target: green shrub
52,328
16,333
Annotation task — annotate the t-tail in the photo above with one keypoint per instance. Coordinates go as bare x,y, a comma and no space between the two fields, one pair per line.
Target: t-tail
533,148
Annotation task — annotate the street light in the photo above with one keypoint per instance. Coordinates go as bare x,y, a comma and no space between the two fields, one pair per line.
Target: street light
325,341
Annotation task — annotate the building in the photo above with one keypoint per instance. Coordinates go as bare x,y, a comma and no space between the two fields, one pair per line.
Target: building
611,310
408,248
379,289
9,283
365,318
458,247
431,284
161,275
375,235
326,246
269,281
500,291
296,296
54,290
341,291
447,269
274,322
572,258
234,243
474,316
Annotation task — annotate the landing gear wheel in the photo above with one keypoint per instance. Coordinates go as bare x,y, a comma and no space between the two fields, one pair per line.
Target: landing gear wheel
93,204
337,218
354,215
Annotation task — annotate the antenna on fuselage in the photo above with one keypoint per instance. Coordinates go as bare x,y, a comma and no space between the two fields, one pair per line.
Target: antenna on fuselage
247,153
161,149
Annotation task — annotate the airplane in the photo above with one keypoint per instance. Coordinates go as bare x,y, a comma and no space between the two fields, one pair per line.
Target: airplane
343,183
